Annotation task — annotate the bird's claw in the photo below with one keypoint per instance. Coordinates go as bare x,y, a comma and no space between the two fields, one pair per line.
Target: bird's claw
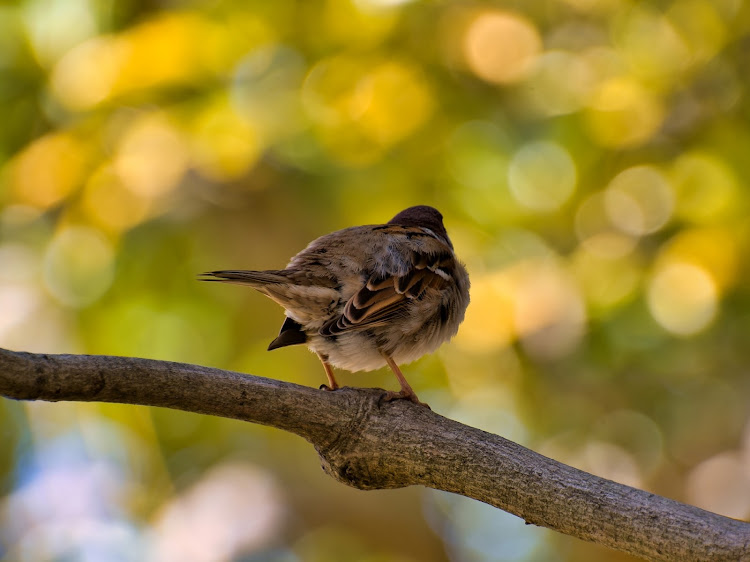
328,388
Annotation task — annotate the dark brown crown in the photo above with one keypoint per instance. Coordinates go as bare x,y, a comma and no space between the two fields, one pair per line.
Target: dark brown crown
423,216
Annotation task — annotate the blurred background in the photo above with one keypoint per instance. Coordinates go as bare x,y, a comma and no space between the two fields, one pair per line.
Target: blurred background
591,159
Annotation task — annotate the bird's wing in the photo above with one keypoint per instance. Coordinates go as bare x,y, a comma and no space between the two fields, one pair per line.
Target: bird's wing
416,262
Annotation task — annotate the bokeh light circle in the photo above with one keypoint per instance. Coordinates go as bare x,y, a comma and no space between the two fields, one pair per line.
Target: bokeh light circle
542,176
639,200
682,298
78,266
500,47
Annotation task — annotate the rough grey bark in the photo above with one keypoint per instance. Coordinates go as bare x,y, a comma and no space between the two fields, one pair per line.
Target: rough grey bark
371,445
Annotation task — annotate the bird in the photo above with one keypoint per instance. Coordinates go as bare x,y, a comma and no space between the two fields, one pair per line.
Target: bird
369,296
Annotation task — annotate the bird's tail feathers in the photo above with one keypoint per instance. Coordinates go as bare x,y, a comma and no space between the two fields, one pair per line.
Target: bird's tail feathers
246,277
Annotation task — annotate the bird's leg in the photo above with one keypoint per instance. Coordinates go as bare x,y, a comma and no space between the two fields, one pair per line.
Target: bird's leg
406,391
332,385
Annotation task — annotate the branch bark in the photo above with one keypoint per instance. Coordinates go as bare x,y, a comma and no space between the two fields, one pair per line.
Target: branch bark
372,445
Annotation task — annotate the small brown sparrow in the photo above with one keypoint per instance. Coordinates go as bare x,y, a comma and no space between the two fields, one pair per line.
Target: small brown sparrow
369,296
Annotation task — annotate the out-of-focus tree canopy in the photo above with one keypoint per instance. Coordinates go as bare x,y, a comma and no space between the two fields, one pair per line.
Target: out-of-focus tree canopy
591,160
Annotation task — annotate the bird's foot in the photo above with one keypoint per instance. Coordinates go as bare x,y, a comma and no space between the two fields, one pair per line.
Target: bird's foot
391,395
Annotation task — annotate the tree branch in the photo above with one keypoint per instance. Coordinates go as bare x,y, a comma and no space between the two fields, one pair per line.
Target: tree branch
372,445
